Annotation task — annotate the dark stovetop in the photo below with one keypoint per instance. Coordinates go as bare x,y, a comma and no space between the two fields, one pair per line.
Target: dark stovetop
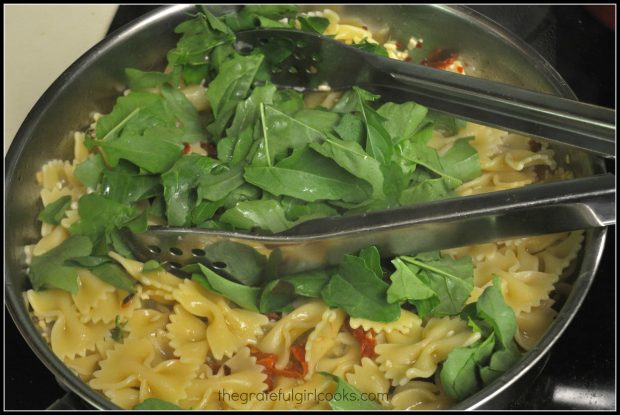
580,373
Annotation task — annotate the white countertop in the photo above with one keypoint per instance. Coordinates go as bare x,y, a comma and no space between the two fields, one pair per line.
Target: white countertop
40,42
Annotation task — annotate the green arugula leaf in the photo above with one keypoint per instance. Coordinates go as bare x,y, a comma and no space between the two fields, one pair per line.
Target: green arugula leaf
230,87
240,261
242,295
152,265
266,215
100,215
155,150
350,128
468,369
308,176
309,283
282,133
216,186
402,120
49,270
288,101
204,211
127,188
155,404
378,141
276,296
429,190
451,281
272,11
447,124
299,211
235,146
359,292
115,275
140,80
493,310
179,183
351,156
185,113
315,24
319,119
106,270
55,211
118,333
348,398
372,259
90,170
90,261
375,48
406,285
462,161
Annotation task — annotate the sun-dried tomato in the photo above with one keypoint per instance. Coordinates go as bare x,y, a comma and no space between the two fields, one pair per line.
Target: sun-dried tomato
440,58
366,339
297,367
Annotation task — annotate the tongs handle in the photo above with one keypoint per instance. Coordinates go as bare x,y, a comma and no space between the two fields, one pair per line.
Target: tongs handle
580,125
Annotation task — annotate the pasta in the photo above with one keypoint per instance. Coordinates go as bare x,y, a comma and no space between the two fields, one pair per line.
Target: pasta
177,340
402,362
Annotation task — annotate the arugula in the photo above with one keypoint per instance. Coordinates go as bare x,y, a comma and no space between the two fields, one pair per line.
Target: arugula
447,124
155,150
279,294
152,265
282,132
351,156
49,270
378,141
100,215
375,48
155,404
468,369
201,36
138,80
106,269
89,171
126,188
55,211
118,333
185,113
179,183
115,275
348,398
437,285
308,176
216,185
242,262
315,24
357,290
230,87
276,296
402,120
239,136
246,297
300,211
266,215
350,128
462,161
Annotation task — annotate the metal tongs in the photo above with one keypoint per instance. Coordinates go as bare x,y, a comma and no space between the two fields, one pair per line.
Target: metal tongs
315,61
